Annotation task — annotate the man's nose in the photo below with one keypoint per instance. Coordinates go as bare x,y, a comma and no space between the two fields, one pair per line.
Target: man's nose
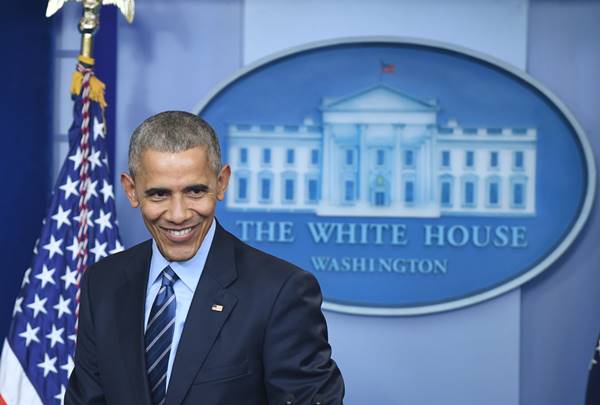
178,210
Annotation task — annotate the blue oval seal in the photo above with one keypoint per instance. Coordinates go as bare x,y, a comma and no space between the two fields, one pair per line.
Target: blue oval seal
408,176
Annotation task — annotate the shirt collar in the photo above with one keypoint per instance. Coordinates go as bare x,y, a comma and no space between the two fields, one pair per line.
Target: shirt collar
188,271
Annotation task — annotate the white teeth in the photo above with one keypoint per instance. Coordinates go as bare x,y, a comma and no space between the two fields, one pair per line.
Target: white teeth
181,232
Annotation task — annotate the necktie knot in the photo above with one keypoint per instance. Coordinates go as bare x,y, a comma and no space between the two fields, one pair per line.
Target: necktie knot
169,277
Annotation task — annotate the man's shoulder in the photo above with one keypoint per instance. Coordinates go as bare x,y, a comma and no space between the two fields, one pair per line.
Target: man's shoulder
114,265
141,250
262,264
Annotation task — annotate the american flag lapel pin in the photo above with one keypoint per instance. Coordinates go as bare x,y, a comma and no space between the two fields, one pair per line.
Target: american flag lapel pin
217,308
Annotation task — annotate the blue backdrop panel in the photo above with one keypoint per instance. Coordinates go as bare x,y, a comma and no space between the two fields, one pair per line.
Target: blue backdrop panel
25,153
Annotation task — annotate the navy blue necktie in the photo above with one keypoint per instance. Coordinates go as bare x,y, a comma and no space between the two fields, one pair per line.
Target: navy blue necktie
159,335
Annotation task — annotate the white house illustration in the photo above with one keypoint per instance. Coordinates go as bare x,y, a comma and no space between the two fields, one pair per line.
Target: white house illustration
382,153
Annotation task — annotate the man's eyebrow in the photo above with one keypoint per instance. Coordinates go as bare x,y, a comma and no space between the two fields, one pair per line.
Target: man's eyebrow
156,190
197,188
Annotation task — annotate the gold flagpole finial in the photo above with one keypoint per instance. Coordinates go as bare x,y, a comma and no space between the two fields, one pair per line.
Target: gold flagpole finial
90,20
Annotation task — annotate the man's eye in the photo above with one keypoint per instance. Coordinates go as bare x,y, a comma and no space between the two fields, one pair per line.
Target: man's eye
197,193
158,195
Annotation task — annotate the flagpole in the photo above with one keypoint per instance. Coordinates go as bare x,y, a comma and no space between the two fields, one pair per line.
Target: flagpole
88,25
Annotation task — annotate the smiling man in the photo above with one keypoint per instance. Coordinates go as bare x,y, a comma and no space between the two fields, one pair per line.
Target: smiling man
194,315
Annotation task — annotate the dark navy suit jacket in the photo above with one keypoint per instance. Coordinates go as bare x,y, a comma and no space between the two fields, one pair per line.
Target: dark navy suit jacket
268,345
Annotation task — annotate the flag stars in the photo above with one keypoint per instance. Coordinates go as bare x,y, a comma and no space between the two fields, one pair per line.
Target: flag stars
55,336
61,395
94,159
118,248
17,308
70,187
48,365
53,246
26,277
76,158
99,129
46,276
61,217
74,248
107,191
30,334
104,220
68,366
70,278
91,190
90,213
62,307
99,250
38,305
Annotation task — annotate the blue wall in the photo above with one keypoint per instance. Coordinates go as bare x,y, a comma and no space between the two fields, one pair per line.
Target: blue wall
560,314
25,155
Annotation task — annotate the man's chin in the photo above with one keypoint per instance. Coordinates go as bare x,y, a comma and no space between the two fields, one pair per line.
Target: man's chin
179,254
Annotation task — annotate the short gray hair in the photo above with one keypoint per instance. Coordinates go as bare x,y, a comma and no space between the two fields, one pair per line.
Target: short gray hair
173,131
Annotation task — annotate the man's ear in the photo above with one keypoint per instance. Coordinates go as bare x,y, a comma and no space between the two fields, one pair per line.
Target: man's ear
223,182
129,186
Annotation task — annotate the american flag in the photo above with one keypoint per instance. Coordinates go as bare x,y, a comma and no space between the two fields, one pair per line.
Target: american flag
79,229
388,67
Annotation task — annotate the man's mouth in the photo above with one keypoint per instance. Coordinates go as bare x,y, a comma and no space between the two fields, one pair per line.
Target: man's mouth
178,235
179,232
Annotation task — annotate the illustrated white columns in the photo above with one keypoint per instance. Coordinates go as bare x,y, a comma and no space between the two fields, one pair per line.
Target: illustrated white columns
397,181
363,168
327,173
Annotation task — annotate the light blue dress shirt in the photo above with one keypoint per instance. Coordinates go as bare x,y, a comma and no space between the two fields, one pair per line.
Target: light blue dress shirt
189,273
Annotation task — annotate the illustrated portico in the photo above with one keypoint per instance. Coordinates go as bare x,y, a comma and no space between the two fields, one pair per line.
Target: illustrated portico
377,155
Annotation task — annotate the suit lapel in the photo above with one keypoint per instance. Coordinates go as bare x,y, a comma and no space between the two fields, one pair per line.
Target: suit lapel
203,324
130,320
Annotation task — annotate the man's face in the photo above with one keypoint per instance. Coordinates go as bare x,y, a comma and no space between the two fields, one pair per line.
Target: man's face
177,194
